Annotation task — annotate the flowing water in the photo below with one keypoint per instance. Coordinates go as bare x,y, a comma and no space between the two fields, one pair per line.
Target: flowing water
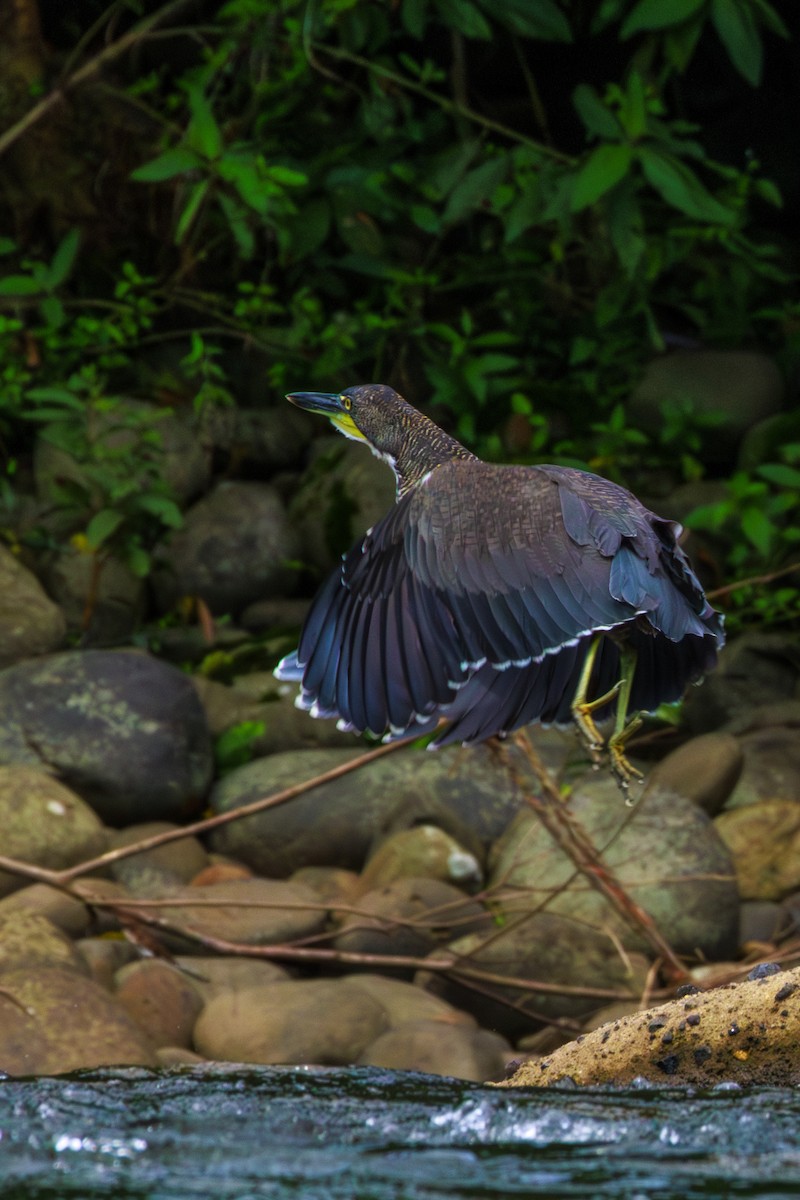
364,1134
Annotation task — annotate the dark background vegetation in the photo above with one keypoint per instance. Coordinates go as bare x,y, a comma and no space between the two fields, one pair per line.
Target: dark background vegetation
504,208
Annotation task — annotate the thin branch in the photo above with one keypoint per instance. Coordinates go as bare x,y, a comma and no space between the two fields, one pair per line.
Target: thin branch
138,33
58,878
451,106
575,842
753,581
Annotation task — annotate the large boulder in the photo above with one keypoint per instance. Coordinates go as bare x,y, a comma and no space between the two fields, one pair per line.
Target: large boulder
123,730
665,852
468,793
235,546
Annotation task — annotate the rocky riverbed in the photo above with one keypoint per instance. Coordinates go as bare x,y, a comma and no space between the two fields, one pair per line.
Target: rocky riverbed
411,911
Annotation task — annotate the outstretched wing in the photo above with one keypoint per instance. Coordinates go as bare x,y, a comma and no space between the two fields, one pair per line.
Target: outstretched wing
473,599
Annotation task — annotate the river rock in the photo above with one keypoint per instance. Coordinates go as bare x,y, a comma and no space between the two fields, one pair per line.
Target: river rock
543,948
467,792
43,822
119,597
54,1020
423,851
771,755
266,701
124,730
342,494
105,956
452,1050
408,917
754,669
705,770
30,623
664,851
30,940
161,999
253,911
333,885
233,548
738,387
158,870
211,977
269,438
404,1002
66,912
764,841
325,1021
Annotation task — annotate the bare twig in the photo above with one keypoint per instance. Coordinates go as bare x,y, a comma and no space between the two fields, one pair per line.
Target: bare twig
138,33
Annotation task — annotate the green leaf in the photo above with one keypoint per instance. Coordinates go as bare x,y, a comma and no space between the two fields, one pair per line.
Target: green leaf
767,190
659,14
541,19
7,245
167,166
20,285
770,18
464,17
203,133
739,34
681,188
190,209
138,560
237,220
474,189
758,529
62,260
56,395
597,119
162,507
781,475
102,526
413,14
286,176
602,171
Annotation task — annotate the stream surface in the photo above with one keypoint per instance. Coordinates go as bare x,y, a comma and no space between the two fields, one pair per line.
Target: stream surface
366,1134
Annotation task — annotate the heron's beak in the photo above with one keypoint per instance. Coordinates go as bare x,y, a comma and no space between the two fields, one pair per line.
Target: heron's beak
332,406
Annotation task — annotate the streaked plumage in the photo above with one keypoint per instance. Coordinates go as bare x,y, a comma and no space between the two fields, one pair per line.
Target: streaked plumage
478,596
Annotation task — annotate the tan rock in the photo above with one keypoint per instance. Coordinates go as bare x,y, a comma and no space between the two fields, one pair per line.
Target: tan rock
30,623
161,999
151,872
404,1002
213,976
764,841
748,1033
454,1050
327,1021
423,851
54,1020
705,770
44,823
254,911
104,956
28,939
66,912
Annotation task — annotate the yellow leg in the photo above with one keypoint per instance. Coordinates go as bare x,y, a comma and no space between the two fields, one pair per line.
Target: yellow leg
583,710
624,770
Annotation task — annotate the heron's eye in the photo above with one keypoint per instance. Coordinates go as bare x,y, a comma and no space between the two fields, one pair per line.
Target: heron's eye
346,403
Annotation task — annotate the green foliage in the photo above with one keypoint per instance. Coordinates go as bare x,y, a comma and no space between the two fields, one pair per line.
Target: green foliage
237,746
